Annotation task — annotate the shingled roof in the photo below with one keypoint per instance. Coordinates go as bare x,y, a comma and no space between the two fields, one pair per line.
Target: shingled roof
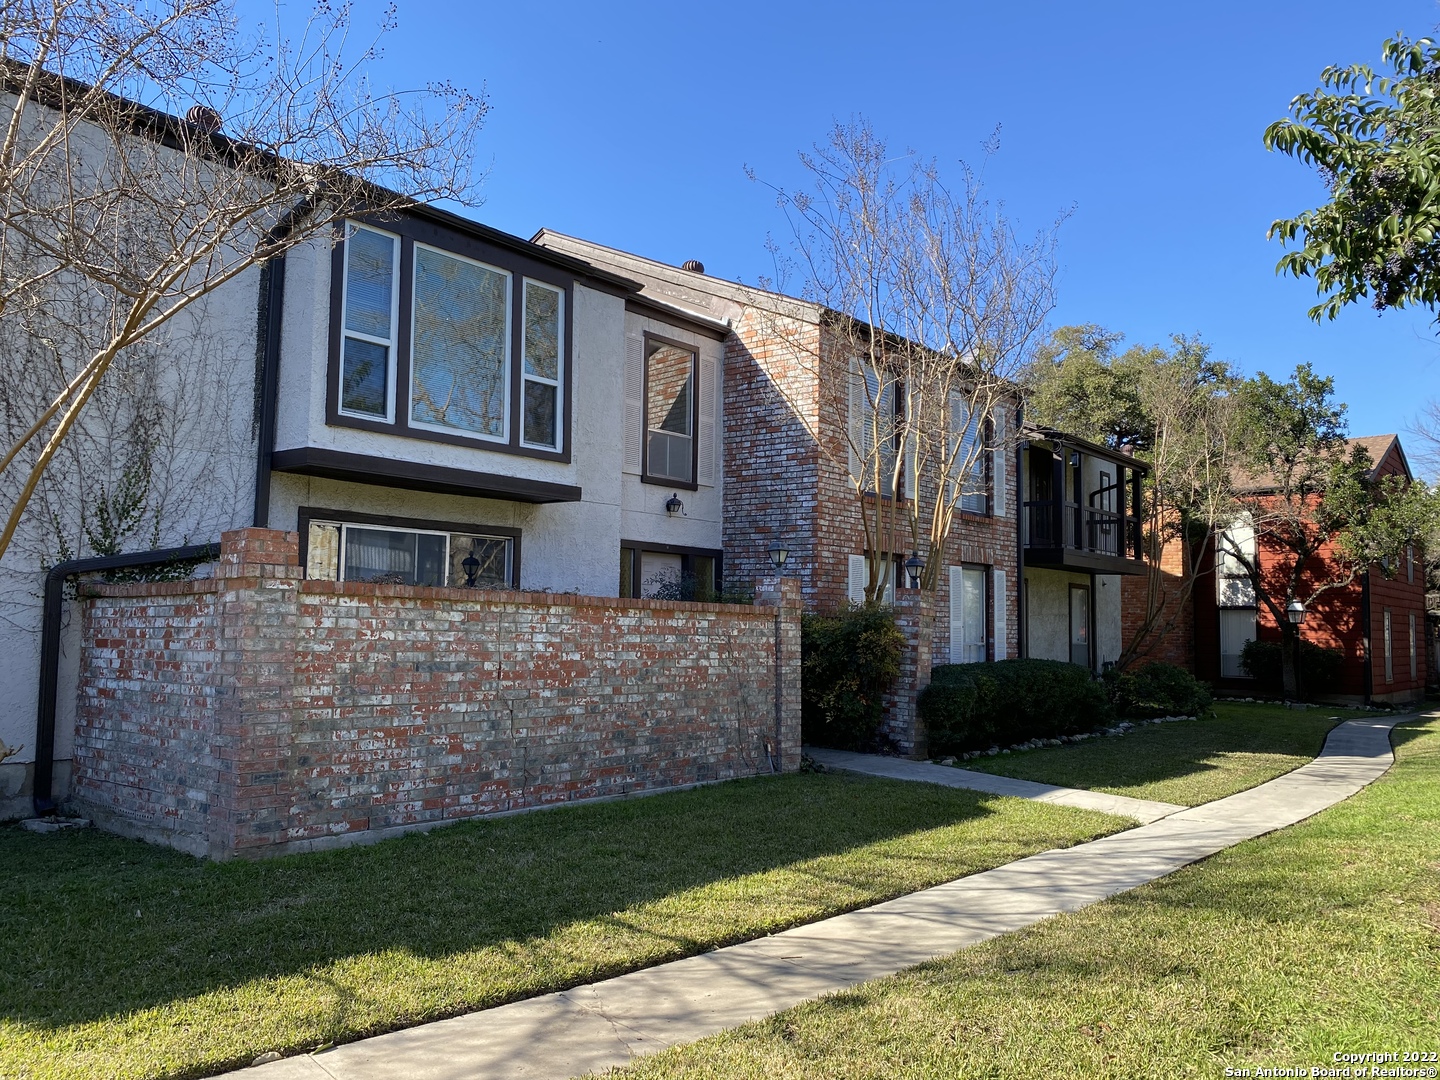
1376,447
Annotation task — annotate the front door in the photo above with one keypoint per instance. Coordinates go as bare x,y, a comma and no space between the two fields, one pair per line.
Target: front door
1080,626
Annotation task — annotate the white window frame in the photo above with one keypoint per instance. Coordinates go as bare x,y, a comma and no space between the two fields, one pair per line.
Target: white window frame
958,649
558,382
509,372
346,526
393,344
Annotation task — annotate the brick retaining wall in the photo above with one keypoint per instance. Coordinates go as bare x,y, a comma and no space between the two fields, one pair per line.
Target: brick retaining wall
259,712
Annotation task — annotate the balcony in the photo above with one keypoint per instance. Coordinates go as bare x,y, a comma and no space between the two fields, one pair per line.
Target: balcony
1083,510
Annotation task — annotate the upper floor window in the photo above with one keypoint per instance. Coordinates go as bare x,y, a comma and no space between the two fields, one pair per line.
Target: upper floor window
967,450
438,343
875,425
669,412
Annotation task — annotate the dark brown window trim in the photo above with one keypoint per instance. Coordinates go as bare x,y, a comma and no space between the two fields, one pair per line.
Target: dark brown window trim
412,231
308,514
417,476
639,547
695,391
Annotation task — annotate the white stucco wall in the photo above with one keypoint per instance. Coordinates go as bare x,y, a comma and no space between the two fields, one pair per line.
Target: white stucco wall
572,546
203,482
1047,604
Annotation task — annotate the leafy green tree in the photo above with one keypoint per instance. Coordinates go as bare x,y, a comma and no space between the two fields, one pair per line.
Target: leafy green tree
1373,139
1309,494
1173,409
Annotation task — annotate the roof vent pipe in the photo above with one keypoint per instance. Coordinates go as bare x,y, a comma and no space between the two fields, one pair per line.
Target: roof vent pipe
695,266
205,118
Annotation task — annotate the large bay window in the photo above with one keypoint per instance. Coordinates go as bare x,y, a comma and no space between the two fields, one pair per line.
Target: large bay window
448,345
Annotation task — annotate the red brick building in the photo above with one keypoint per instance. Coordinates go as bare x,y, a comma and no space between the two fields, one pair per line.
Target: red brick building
1377,621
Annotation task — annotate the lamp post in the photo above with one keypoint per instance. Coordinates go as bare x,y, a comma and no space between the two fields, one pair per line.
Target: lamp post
1295,613
913,566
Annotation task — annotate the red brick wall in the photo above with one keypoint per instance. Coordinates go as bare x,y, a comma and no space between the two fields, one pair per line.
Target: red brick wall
1172,638
259,712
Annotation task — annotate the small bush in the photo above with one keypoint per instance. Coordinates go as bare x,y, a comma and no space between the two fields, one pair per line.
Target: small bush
849,661
1157,690
974,706
1319,667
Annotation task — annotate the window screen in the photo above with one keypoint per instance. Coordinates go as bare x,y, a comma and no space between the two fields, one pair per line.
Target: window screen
480,562
669,411
369,322
460,344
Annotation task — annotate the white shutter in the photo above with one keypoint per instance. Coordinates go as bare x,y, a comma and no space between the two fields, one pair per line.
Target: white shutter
707,468
957,613
911,450
856,419
1002,625
634,402
855,589
888,595
1000,456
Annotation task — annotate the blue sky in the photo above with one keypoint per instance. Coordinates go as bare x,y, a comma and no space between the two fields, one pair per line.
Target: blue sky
632,125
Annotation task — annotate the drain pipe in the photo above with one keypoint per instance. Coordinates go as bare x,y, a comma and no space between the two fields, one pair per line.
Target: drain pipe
43,783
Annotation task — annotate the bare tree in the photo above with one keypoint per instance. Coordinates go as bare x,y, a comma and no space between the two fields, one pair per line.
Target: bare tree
931,305
116,216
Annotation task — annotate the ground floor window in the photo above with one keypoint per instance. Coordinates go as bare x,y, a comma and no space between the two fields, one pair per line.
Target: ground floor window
1414,663
344,547
967,614
1237,626
1080,626
666,572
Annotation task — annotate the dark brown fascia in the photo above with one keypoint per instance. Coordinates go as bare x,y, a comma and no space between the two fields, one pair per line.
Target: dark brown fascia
415,476
651,308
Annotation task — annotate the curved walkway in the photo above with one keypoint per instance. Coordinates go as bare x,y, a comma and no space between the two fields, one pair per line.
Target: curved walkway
607,1023
1142,810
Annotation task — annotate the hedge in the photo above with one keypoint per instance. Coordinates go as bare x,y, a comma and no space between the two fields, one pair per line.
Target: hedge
848,661
1157,690
976,706
1320,668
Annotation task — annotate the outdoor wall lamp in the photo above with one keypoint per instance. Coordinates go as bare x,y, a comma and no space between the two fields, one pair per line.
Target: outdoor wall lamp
778,554
913,565
471,565
673,506
1295,612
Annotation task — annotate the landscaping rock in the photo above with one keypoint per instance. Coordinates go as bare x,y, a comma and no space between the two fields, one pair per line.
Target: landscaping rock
54,824
266,1058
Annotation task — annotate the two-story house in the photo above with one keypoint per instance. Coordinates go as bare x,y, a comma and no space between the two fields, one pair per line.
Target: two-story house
1047,524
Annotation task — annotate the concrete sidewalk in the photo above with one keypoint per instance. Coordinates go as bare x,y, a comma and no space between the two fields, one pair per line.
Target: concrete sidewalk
896,768
607,1023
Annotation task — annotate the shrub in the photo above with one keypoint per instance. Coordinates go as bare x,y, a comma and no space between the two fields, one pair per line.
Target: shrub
1157,690
1319,667
849,661
974,706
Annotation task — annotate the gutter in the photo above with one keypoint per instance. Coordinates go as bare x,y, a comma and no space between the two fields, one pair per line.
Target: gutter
1365,636
270,318
1022,628
44,767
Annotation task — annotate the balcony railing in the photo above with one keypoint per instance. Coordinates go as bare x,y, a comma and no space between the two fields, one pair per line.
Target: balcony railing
1053,525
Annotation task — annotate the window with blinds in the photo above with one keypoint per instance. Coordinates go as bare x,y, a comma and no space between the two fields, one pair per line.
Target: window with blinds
967,452
341,551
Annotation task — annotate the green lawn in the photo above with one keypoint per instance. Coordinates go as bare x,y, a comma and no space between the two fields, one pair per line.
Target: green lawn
120,959
1281,952
1189,762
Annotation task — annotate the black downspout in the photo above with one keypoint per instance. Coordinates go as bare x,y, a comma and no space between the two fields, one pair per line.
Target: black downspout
43,784
271,315
1365,635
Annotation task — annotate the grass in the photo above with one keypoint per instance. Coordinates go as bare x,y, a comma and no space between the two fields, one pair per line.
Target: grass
1320,939
125,960
1188,762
